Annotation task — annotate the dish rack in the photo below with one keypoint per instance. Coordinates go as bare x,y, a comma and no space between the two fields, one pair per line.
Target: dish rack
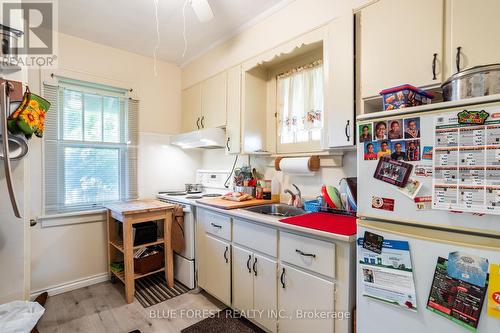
314,206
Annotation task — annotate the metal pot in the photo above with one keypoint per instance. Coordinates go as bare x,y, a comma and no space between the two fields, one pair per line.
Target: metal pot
9,37
194,188
474,82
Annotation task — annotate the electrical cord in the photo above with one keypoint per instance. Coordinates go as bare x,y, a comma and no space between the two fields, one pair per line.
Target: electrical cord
226,185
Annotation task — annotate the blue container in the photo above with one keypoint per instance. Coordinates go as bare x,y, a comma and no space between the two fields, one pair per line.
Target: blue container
312,206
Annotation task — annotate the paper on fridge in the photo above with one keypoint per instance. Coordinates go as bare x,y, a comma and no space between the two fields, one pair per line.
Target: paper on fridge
494,292
388,276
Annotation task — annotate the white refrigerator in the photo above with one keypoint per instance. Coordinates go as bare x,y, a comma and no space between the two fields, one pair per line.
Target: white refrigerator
447,219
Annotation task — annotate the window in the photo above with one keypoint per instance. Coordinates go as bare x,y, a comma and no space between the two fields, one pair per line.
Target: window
90,153
300,104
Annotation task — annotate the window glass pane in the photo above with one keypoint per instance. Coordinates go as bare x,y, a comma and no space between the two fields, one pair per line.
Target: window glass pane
93,117
91,175
72,115
111,119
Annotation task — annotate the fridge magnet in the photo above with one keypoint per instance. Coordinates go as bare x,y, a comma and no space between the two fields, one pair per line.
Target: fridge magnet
494,291
373,242
424,202
388,276
380,130
412,128
383,203
422,170
413,150
468,268
427,152
395,127
457,300
371,150
411,188
384,149
365,132
393,172
472,117
398,150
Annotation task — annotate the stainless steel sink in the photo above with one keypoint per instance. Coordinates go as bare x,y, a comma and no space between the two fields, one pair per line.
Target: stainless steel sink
280,210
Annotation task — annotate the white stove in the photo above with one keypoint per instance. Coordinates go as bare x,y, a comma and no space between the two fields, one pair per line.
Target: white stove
213,182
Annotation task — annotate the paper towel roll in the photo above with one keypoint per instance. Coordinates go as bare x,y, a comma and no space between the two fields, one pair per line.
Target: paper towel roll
296,166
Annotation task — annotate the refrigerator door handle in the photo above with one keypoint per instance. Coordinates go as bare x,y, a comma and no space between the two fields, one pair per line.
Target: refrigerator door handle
4,106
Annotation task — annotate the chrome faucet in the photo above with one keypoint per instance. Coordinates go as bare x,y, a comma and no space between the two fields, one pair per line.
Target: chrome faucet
296,198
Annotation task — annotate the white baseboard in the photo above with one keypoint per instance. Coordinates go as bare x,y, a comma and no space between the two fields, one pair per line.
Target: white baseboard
72,285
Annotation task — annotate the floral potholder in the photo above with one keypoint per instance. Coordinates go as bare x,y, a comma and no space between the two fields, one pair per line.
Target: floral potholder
29,117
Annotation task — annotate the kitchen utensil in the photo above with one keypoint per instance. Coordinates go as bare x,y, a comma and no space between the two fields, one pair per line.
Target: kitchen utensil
474,82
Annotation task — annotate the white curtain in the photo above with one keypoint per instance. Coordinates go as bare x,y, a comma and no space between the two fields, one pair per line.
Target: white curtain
300,102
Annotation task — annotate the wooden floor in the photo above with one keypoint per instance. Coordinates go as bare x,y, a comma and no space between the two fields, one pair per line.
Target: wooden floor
102,308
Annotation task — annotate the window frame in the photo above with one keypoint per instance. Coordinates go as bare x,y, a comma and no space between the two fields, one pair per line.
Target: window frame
126,148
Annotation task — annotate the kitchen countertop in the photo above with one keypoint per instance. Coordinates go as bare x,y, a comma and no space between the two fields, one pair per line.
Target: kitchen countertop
274,221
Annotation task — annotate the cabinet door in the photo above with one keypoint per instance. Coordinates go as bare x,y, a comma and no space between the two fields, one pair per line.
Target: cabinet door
474,28
300,291
398,42
265,297
191,108
233,127
213,101
339,84
218,269
242,279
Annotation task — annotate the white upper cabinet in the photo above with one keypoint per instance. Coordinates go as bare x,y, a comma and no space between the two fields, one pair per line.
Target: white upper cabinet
339,84
233,127
191,108
475,29
213,101
400,40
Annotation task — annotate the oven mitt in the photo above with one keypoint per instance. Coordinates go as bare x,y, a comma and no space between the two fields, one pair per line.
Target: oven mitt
29,117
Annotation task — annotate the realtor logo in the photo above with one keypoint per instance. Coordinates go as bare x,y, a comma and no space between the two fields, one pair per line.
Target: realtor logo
28,33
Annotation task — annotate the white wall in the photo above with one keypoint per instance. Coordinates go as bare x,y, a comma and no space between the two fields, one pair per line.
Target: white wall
299,17
67,253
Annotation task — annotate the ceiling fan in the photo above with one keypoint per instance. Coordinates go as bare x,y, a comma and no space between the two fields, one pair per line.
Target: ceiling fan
202,10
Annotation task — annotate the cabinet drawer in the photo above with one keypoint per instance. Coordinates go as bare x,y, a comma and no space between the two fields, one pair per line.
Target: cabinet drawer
257,237
217,225
312,254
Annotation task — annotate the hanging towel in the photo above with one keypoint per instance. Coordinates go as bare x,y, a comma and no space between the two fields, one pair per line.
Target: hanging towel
178,239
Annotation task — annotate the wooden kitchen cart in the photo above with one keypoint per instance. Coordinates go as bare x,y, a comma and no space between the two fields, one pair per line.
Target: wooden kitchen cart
130,213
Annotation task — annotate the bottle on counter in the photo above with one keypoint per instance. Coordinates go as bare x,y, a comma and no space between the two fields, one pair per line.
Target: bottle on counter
275,189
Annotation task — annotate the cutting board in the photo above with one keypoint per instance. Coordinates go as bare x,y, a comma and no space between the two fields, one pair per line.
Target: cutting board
227,204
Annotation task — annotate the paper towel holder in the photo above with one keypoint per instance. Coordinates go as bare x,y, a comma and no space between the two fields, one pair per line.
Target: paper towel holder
313,164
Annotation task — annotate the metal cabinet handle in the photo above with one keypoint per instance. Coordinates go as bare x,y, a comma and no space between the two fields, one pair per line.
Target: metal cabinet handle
347,130
305,254
248,263
202,124
434,61
227,144
282,278
5,106
254,268
457,60
198,122
216,225
225,254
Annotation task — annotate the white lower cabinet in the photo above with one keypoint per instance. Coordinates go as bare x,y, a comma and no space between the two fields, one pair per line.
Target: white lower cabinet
217,264
302,297
254,286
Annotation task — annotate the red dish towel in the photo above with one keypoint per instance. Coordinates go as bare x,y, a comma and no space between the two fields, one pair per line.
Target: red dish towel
335,224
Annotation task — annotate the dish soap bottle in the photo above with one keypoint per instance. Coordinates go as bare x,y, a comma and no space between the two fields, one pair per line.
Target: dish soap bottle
275,189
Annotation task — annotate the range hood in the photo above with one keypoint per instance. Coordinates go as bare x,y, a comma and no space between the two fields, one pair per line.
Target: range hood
207,138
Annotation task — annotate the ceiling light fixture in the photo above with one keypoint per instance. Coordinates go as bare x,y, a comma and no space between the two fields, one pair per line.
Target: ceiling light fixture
203,12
